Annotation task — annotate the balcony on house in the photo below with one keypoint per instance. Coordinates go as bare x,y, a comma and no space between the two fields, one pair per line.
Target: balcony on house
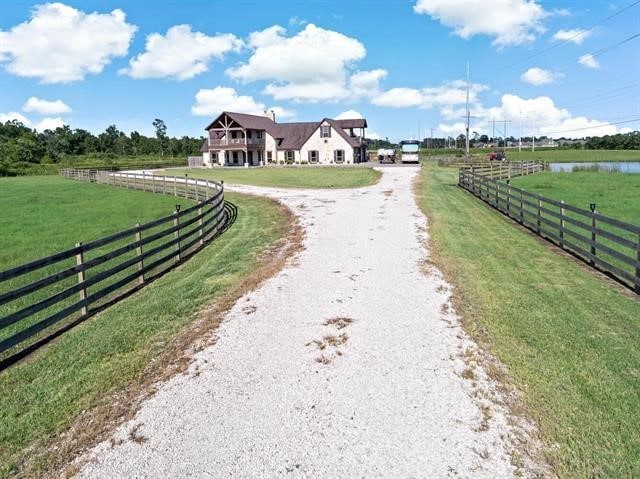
231,139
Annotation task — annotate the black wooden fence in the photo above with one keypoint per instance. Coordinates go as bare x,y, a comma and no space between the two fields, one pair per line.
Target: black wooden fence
42,298
607,244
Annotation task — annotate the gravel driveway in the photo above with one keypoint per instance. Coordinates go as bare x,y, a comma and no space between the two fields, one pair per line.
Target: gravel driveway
345,364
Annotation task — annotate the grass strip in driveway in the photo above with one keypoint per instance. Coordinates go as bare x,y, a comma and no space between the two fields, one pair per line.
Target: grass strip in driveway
299,177
568,336
124,346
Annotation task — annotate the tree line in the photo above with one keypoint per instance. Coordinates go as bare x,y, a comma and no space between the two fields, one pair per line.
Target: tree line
22,147
620,141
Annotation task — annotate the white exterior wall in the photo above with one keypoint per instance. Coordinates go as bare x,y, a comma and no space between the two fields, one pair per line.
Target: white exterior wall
282,156
269,145
206,158
326,148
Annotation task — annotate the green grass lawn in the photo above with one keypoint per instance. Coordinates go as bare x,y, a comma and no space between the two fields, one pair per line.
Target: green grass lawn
568,337
41,215
116,349
616,194
550,154
567,156
302,177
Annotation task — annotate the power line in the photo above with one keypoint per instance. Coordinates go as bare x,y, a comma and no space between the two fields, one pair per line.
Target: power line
592,127
562,42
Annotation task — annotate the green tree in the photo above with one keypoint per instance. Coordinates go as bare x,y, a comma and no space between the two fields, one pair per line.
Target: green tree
161,132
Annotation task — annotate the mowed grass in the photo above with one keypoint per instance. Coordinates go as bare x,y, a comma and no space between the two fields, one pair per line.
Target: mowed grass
41,215
302,177
567,156
616,194
113,351
568,337
548,154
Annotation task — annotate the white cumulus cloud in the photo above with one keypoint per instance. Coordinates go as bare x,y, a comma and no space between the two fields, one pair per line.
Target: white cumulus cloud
60,44
539,76
589,61
313,65
447,95
213,101
509,22
538,116
49,124
14,115
576,35
349,115
181,53
46,107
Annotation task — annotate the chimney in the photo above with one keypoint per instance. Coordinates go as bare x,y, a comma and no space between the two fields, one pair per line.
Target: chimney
273,116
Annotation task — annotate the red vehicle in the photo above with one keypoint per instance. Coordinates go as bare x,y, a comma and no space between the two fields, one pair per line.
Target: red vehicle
496,156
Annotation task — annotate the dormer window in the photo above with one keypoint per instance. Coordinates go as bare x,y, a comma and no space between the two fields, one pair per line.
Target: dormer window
325,131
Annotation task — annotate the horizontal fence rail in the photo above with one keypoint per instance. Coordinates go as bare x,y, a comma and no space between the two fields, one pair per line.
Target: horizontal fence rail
608,244
66,287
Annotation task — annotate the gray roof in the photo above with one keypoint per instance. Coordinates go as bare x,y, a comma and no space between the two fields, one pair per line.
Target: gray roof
352,123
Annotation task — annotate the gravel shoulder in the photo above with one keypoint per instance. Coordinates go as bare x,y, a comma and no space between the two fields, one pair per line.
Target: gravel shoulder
349,362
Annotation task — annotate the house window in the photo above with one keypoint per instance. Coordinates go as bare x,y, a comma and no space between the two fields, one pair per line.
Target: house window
289,156
338,156
259,135
356,155
235,157
325,131
313,156
269,157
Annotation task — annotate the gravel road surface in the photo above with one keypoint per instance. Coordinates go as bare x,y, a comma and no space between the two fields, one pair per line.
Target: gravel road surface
345,364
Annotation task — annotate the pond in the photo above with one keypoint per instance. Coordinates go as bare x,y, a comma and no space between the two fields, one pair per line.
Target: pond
597,166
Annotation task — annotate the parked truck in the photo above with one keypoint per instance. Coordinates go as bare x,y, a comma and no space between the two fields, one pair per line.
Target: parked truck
386,155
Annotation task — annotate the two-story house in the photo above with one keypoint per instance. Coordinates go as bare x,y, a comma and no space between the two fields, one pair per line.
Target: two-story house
239,139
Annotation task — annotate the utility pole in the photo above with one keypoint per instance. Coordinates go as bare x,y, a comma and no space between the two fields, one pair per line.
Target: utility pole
520,133
493,135
468,116
505,132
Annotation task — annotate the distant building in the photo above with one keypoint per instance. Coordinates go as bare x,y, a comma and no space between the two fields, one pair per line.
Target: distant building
239,139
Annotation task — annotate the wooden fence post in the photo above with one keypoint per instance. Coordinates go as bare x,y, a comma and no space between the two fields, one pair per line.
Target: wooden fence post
521,209
497,195
139,254
83,290
176,234
562,224
539,213
638,266
153,182
200,225
175,186
196,191
508,197
593,235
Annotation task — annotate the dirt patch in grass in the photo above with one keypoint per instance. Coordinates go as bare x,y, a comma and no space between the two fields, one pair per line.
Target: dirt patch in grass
53,457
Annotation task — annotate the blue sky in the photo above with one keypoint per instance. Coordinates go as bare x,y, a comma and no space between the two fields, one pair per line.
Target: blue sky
400,64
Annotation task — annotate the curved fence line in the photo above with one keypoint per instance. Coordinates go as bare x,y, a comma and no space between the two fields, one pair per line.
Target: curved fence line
605,243
65,288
